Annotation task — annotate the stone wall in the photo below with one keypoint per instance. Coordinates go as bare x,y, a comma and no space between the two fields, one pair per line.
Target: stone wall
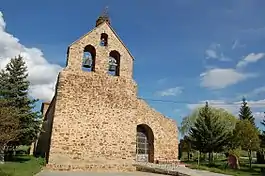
165,132
93,122
43,142
44,108
95,115
75,53
35,148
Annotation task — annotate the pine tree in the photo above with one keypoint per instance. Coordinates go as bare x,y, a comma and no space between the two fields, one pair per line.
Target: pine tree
15,91
3,83
209,134
245,113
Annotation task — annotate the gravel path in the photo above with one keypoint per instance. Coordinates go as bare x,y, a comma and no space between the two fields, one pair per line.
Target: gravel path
48,173
193,173
154,168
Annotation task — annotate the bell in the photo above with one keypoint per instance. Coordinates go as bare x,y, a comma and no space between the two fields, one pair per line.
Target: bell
102,43
112,67
87,62
112,64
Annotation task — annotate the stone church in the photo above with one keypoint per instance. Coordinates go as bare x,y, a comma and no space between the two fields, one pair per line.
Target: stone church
95,122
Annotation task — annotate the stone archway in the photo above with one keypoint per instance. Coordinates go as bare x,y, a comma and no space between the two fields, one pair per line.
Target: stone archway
144,144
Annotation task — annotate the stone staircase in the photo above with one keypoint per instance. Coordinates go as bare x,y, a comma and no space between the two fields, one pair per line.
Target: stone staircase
172,169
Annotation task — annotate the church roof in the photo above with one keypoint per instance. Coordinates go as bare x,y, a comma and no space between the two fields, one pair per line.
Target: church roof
111,30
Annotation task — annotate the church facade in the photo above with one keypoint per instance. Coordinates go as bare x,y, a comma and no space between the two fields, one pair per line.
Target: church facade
95,121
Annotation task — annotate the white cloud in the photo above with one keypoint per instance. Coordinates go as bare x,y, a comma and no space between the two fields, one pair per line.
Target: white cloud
253,33
162,81
2,21
233,107
258,116
256,91
170,92
251,58
210,53
218,78
237,44
42,74
214,52
217,104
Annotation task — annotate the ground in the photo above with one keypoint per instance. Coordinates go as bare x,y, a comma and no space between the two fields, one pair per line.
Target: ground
22,166
219,167
47,173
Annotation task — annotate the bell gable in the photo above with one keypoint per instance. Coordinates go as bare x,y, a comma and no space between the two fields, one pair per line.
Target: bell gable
100,51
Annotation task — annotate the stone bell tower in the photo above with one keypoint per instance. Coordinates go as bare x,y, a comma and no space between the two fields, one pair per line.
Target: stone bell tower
95,118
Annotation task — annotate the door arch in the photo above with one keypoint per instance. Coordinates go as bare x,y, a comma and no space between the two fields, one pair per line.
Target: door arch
144,144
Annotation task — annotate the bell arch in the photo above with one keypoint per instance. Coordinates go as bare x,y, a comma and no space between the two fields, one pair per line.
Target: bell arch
114,63
144,144
89,58
104,39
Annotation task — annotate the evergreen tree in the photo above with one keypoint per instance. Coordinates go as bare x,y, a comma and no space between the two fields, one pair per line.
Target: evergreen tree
245,113
209,134
3,83
15,91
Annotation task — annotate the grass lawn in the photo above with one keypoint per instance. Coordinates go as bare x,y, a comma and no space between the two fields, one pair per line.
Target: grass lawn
220,167
22,166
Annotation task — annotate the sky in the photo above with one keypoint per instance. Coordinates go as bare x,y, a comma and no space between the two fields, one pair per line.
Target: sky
186,51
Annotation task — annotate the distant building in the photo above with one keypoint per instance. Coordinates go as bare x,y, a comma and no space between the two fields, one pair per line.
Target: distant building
95,121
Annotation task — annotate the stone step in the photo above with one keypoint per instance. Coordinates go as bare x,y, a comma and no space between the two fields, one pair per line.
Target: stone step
173,169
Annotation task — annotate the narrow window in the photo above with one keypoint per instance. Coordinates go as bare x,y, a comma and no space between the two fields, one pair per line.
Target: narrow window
104,39
114,63
89,57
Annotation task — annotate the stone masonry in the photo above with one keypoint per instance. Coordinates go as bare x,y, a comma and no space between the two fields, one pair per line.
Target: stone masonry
91,122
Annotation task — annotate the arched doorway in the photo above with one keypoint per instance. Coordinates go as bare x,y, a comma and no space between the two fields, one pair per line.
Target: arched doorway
144,144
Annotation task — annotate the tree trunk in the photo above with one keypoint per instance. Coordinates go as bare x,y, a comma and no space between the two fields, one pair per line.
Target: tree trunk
199,157
260,157
250,158
188,156
2,153
210,157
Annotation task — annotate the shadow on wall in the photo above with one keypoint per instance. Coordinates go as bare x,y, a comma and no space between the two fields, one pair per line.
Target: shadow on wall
43,143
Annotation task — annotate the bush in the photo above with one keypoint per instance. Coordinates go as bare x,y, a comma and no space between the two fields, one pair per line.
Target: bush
22,150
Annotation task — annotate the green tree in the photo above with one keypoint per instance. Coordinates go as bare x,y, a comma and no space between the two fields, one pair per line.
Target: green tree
247,136
185,146
188,122
245,113
3,83
209,133
261,152
9,126
14,89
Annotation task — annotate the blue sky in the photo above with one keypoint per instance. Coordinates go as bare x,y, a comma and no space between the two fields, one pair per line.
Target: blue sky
186,51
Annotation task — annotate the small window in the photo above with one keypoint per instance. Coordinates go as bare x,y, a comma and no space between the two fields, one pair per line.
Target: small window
104,39
89,56
114,63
